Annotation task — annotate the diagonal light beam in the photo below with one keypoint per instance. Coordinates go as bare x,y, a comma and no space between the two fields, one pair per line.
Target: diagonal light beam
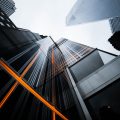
9,93
30,89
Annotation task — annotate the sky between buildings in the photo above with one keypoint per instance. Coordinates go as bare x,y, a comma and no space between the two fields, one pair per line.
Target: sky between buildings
48,17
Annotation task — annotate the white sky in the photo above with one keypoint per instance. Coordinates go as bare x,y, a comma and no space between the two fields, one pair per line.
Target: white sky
48,17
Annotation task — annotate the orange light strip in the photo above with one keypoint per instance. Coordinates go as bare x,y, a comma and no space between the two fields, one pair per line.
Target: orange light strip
53,60
30,65
53,116
9,93
30,89
53,99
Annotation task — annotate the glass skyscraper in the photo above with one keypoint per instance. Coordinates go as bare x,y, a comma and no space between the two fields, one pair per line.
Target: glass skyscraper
44,80
85,11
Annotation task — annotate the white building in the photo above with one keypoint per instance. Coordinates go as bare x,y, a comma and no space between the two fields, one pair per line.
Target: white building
93,10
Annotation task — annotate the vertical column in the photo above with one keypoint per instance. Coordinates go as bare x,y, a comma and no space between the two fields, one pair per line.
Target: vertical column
79,98
53,84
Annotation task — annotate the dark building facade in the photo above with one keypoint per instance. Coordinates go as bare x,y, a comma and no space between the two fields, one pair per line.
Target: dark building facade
115,40
5,21
8,6
44,80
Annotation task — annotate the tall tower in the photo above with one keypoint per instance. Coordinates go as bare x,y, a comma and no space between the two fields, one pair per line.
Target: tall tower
85,11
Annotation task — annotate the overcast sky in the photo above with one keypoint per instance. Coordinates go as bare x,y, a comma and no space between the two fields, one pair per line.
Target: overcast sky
48,17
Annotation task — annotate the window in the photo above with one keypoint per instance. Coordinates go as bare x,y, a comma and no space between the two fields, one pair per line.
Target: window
2,24
8,25
2,13
2,18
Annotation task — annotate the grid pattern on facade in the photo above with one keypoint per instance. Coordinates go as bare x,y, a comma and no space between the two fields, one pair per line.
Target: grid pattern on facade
8,6
5,21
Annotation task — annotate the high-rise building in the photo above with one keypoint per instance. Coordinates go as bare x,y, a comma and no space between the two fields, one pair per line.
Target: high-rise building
115,24
17,37
8,6
44,80
85,11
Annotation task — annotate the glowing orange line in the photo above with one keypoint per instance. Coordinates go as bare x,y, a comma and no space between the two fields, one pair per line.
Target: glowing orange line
53,116
30,89
53,60
9,93
29,66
